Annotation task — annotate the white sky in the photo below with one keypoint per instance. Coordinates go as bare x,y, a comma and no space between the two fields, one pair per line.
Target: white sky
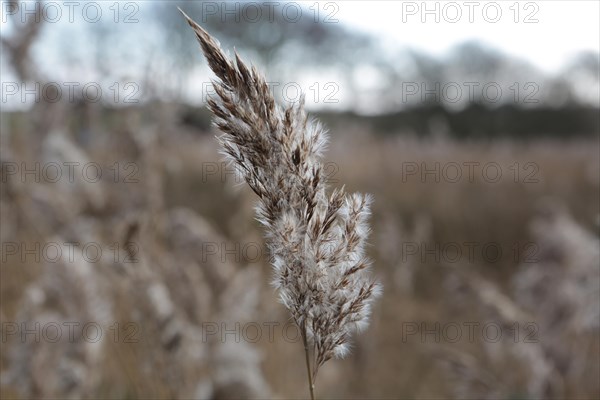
563,29
558,30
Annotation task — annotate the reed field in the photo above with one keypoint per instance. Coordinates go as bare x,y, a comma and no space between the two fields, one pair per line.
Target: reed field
143,258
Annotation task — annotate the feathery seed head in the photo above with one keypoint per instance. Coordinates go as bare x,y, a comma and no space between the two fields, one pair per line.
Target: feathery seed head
316,241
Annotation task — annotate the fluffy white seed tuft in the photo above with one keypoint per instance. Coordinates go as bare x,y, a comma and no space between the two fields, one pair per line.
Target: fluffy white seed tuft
317,241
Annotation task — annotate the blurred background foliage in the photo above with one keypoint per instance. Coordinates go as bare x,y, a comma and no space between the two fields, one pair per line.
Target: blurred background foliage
543,212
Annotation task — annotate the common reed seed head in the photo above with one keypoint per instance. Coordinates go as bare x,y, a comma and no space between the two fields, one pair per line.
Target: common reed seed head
317,241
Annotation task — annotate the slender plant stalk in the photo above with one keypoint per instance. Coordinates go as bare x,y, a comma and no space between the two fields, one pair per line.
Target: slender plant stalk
316,239
311,385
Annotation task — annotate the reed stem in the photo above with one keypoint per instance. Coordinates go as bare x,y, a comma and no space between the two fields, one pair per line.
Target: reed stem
306,350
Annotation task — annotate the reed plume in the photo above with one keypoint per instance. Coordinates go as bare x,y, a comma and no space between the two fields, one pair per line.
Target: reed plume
316,240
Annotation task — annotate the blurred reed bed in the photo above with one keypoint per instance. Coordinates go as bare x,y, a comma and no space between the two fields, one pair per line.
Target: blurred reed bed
174,287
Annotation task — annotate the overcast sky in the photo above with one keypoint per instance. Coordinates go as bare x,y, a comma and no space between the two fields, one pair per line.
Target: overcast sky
563,28
545,33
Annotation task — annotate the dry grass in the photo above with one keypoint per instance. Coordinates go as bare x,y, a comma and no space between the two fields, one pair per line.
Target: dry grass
385,366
